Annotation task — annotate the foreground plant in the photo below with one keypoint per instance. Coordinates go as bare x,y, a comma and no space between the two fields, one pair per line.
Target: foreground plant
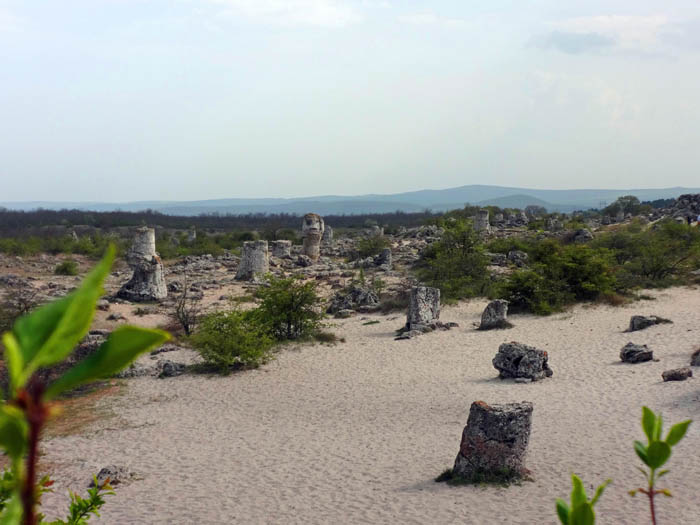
44,338
656,453
580,510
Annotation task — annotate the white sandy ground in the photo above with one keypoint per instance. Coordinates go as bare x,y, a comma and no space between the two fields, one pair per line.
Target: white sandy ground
356,433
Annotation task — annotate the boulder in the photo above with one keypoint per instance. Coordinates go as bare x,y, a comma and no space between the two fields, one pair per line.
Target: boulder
281,249
255,261
516,360
423,307
677,374
495,315
640,322
494,442
633,353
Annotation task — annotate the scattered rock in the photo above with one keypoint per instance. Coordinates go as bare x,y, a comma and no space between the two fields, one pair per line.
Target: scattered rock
695,358
116,316
640,322
171,369
114,474
633,353
495,315
353,298
344,314
518,258
677,374
515,360
494,442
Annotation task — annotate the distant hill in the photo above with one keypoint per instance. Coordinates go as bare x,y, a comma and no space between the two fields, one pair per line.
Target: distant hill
436,200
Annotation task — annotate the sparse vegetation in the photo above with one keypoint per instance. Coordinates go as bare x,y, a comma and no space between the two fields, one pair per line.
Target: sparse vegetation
371,246
68,267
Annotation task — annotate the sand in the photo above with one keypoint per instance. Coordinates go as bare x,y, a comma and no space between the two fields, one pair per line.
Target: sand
356,432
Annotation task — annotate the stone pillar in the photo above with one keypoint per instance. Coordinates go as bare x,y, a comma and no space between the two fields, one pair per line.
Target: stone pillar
423,307
255,261
481,223
494,442
191,235
281,249
147,283
327,235
495,315
312,231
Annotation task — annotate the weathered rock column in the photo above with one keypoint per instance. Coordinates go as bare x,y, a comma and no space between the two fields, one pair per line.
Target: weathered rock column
312,231
327,235
494,442
423,307
147,283
495,315
255,261
281,249
481,222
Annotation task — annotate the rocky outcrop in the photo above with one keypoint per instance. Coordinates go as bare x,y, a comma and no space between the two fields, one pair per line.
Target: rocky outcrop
521,362
147,283
255,261
640,322
312,232
677,374
281,249
632,353
355,298
494,442
495,315
423,307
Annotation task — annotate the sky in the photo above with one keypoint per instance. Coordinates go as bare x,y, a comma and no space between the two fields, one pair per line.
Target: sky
123,100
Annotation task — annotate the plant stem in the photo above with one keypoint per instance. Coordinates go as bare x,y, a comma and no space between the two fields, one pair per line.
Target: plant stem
35,412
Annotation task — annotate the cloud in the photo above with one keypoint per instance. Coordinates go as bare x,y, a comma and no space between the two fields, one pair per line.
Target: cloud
575,43
429,18
9,23
321,13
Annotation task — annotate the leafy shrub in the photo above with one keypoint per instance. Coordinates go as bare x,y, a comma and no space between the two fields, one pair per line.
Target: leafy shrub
290,308
44,338
371,246
69,267
232,339
456,263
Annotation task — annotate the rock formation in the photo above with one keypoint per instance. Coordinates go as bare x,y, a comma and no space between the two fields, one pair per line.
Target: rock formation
356,298
521,362
481,222
255,261
423,307
327,238
640,322
281,249
495,315
494,442
383,259
147,282
632,353
677,374
312,232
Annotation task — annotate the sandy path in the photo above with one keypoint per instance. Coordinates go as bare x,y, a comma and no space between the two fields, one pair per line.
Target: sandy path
355,433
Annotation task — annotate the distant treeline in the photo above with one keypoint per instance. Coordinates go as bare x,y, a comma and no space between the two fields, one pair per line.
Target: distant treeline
14,222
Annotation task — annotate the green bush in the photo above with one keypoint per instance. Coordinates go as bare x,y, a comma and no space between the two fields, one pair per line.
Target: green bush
233,339
371,246
69,267
456,264
290,308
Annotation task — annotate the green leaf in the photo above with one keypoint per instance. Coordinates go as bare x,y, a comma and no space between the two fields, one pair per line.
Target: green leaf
599,491
665,492
578,493
661,474
12,514
49,334
641,450
563,511
658,453
121,347
582,515
648,423
658,426
677,432
13,431
14,360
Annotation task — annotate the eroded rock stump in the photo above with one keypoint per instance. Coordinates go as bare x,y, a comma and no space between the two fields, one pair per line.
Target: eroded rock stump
281,249
255,261
495,315
423,307
147,283
312,232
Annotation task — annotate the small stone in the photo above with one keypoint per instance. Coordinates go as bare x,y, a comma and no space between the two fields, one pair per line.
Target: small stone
633,353
677,374
114,474
170,368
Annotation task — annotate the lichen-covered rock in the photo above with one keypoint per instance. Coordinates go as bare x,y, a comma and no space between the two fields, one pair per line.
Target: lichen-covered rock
495,315
255,261
281,249
312,229
494,442
354,298
640,322
423,307
633,353
516,360
677,374
147,283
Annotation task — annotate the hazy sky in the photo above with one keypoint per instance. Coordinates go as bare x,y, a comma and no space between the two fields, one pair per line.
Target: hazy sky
116,100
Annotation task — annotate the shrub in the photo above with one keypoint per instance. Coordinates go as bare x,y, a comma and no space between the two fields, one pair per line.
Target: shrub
371,246
456,264
69,267
232,339
290,308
